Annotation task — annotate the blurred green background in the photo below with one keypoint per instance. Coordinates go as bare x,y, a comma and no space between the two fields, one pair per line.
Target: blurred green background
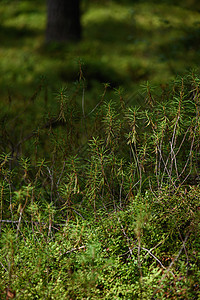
124,43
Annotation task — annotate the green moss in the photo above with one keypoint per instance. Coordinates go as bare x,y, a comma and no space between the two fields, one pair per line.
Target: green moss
133,42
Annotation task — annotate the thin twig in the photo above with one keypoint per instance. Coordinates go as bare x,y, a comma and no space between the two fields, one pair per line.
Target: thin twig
173,261
3,267
126,236
156,259
72,250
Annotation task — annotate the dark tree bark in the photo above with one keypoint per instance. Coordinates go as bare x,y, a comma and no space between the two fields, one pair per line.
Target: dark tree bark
63,20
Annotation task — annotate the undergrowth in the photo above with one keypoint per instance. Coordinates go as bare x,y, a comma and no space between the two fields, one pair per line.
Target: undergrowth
101,204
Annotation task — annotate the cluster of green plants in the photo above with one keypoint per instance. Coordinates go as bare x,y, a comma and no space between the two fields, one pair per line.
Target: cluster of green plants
101,204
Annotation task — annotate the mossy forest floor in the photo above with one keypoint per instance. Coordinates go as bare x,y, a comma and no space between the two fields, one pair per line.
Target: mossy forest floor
100,153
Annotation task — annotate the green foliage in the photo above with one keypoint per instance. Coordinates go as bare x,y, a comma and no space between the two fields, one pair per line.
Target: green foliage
99,197
102,204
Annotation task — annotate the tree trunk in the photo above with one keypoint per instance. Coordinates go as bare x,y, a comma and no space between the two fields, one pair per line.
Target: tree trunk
63,20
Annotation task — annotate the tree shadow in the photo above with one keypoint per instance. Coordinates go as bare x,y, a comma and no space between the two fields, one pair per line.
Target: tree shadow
110,31
184,49
11,36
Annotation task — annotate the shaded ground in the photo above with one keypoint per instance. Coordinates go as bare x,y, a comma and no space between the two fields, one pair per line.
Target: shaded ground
124,44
